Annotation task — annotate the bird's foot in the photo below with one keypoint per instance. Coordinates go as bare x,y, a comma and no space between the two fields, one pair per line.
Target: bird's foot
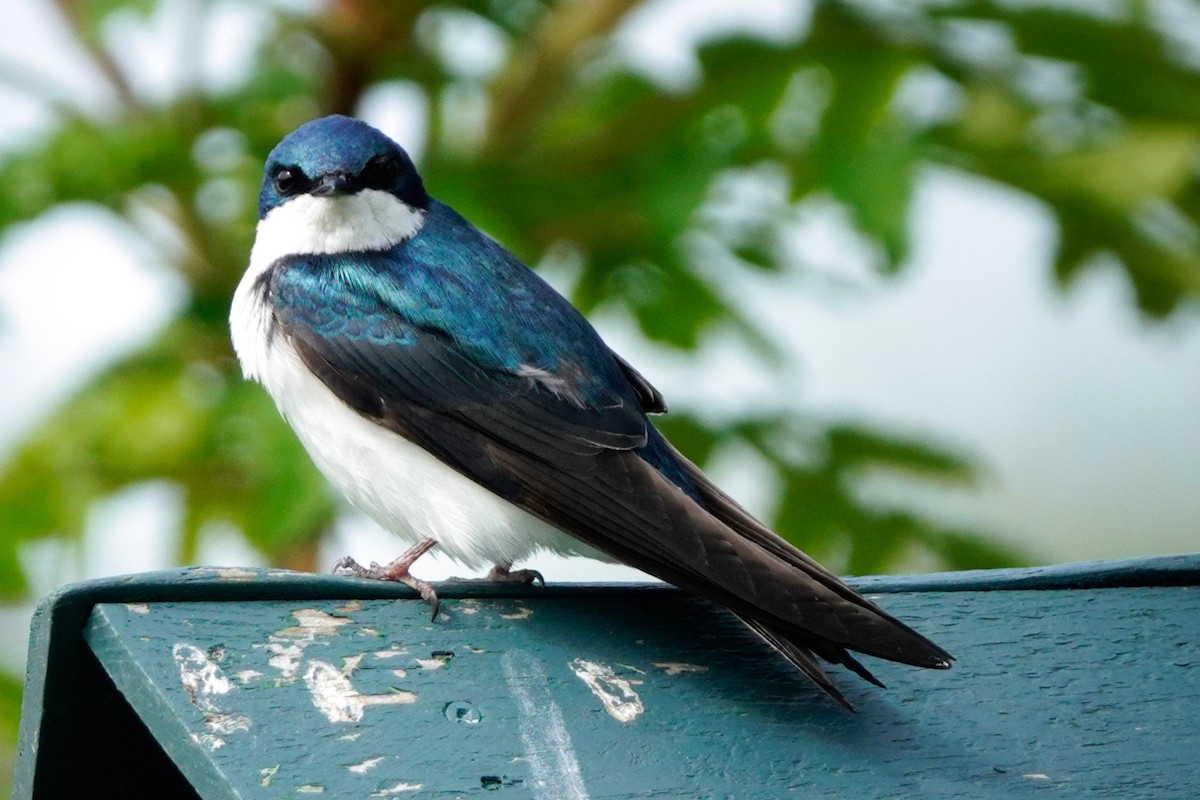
504,573
395,571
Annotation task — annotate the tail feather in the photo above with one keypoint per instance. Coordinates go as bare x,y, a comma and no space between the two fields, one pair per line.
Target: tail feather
889,638
802,659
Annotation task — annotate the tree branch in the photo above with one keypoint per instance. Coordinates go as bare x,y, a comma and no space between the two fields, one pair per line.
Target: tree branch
527,88
70,12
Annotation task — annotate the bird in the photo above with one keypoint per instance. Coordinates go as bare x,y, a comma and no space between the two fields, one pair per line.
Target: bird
451,394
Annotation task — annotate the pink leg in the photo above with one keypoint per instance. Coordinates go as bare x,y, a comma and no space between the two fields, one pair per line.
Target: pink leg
395,571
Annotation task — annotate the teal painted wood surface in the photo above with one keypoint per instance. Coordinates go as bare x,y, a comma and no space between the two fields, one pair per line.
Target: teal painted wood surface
278,685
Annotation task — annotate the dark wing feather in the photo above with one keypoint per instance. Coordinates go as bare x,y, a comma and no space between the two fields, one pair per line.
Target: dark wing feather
651,399
586,468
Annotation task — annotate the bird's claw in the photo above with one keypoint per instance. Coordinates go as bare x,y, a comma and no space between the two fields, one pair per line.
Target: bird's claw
499,574
347,566
397,571
503,574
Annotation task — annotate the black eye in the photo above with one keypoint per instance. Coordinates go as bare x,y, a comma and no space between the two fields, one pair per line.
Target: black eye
381,172
289,181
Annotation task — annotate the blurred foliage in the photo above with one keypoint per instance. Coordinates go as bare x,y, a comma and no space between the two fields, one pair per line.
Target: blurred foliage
562,145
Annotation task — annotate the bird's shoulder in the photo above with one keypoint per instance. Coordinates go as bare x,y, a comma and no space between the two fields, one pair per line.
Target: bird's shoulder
460,301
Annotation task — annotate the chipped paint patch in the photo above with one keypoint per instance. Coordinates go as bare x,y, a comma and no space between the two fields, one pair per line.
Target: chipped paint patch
350,663
436,660
320,623
138,608
236,574
363,767
201,676
348,608
522,612
203,679
673,668
335,696
350,737
226,724
468,606
620,700
391,652
310,788
267,774
400,673
208,741
287,645
247,675
397,789
1037,776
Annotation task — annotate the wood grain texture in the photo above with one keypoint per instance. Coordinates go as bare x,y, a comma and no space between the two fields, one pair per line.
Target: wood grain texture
1084,692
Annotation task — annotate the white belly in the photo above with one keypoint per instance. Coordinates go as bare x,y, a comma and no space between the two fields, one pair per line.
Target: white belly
399,484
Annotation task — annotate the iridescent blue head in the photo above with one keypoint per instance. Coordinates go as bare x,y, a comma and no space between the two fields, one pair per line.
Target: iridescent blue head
335,156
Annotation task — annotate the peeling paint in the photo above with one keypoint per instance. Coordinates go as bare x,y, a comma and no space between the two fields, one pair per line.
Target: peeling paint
397,789
391,652
288,644
673,668
310,788
400,673
138,608
286,658
436,660
208,741
227,723
335,696
201,675
236,574
202,679
350,663
348,608
620,700
1037,776
320,623
522,612
247,675
267,774
363,767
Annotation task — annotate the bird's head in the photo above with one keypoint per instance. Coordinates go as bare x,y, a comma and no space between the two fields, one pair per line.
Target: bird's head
336,183
337,156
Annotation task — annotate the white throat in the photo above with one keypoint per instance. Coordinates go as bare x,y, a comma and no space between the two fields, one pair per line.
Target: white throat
366,220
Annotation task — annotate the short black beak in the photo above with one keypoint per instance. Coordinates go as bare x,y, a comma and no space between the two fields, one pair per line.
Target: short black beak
333,183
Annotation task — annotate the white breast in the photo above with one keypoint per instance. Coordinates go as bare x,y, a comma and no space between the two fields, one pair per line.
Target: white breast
399,484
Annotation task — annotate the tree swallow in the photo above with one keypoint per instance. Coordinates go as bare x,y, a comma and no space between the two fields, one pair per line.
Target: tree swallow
451,394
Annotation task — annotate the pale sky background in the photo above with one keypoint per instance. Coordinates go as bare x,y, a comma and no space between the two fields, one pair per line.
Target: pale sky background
1083,417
